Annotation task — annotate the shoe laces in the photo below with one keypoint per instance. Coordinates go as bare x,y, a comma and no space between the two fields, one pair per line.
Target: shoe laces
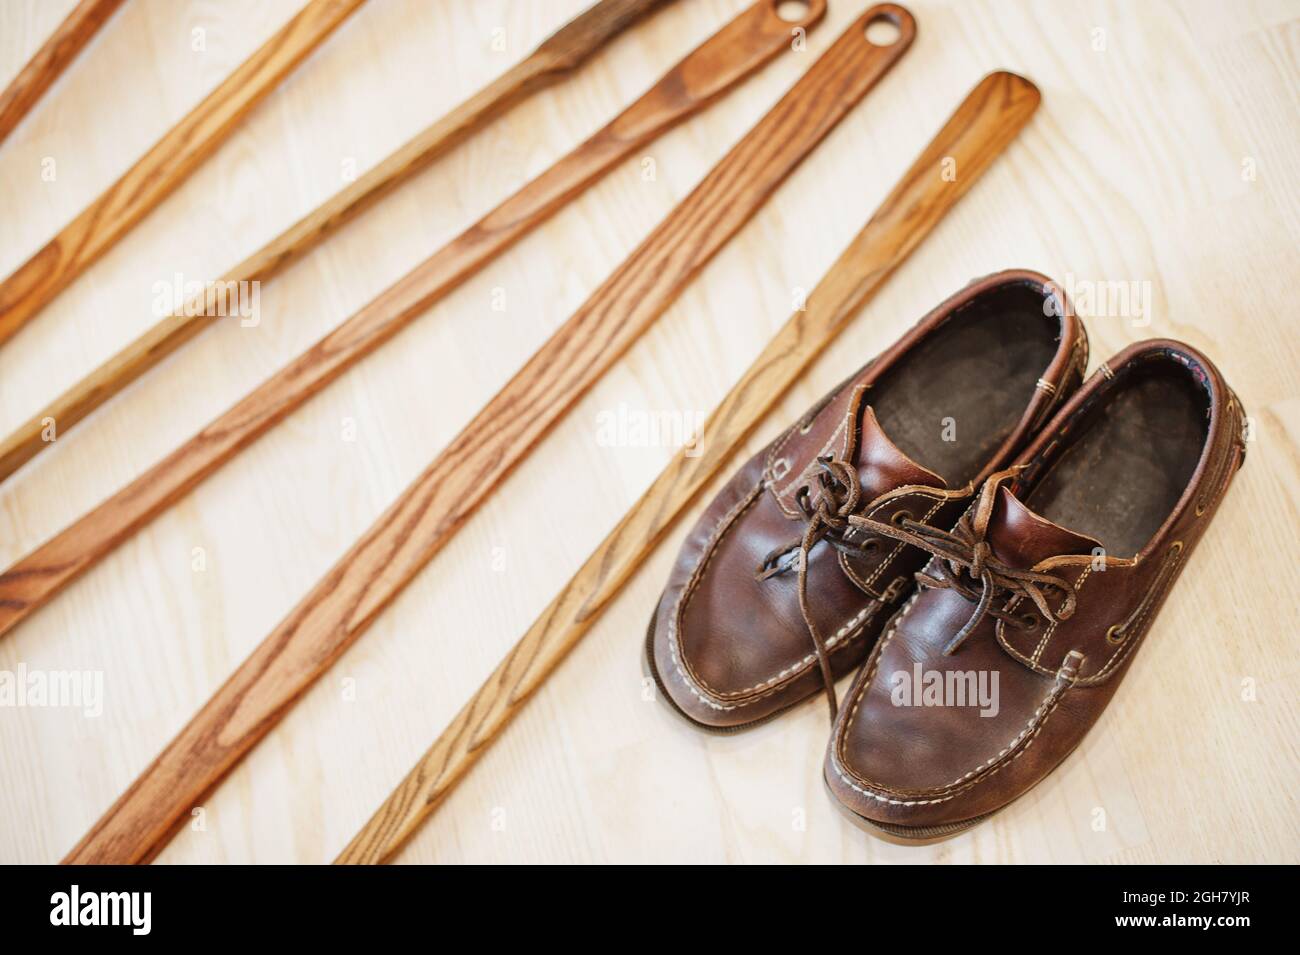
965,561
828,505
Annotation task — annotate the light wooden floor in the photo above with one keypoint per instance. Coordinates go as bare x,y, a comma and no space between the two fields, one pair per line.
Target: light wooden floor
1169,155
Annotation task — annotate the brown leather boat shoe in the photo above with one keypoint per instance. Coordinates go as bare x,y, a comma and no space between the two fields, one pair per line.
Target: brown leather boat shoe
773,594
1030,611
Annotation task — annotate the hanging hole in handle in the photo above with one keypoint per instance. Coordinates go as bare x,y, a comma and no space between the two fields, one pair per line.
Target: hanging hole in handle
793,11
883,30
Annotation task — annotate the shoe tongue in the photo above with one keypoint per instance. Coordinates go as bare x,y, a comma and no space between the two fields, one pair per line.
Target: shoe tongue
1020,538
881,466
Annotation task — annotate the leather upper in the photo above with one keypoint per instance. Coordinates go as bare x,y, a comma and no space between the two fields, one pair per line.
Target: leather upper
918,766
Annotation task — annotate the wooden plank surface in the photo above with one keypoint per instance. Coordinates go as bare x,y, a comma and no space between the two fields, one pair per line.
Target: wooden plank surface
1164,153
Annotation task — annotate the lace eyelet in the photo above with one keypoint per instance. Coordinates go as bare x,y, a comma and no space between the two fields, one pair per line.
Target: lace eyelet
898,517
870,545
801,500
1029,622
806,426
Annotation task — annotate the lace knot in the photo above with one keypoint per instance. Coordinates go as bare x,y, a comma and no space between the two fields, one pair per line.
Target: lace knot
966,560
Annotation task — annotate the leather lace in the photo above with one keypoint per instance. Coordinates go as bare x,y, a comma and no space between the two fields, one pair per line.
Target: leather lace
967,565
827,506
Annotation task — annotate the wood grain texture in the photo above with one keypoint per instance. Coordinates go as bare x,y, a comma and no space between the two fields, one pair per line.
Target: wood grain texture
1132,169
165,166
555,58
982,127
741,47
428,513
51,59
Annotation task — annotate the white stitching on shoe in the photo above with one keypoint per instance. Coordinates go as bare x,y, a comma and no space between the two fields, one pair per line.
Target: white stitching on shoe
841,636
694,683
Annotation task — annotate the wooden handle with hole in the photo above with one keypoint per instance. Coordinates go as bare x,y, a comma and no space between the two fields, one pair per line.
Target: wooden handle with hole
335,613
165,166
981,128
560,54
63,46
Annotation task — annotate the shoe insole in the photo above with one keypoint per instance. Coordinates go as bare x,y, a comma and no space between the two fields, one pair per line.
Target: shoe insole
1121,476
956,396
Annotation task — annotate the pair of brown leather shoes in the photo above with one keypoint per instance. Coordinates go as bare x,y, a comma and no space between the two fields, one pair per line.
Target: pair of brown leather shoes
1010,529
